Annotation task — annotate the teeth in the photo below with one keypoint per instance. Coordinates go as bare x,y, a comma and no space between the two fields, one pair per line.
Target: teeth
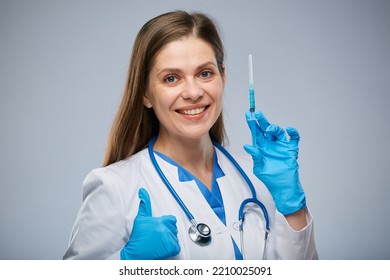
193,111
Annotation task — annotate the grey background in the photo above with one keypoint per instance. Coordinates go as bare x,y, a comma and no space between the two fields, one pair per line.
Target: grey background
321,66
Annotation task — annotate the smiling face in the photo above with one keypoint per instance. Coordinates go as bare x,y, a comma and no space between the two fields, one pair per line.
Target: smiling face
185,89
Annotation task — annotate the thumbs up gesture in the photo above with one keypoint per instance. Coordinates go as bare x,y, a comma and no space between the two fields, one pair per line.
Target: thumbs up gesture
152,238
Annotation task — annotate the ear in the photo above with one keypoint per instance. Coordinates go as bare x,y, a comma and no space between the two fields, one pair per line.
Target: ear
147,103
223,74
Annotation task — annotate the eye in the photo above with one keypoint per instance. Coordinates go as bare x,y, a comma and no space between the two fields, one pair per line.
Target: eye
170,79
206,74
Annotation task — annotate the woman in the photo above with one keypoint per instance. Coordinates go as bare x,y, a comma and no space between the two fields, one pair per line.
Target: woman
173,105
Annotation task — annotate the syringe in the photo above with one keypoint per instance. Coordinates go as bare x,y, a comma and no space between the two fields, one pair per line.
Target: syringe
251,87
252,103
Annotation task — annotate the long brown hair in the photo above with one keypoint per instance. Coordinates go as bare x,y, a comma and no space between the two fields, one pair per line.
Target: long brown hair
134,124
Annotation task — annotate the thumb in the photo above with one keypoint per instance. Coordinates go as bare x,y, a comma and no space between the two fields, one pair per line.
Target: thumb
252,150
145,207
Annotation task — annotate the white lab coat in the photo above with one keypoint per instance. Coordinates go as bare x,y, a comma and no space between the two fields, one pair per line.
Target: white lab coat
110,204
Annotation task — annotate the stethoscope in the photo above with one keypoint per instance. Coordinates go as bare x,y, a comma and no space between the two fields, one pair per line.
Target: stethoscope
200,233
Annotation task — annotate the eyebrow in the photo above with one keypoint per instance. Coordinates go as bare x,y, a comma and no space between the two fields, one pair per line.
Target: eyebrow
178,70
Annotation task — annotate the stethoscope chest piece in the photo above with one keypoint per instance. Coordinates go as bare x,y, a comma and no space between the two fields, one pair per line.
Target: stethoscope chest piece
200,234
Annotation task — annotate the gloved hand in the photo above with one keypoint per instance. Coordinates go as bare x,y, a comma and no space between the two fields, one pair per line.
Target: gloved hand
275,162
152,238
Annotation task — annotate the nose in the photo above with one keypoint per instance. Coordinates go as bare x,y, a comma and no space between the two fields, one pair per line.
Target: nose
192,90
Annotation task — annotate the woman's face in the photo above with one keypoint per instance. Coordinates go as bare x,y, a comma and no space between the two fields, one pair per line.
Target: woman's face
185,89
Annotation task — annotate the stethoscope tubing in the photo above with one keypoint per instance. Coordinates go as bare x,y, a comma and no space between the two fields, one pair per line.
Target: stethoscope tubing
167,183
251,187
241,212
237,166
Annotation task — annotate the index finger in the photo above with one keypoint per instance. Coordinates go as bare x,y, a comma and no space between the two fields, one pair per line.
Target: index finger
262,120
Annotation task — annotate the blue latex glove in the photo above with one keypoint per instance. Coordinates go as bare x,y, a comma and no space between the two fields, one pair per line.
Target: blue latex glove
275,162
152,238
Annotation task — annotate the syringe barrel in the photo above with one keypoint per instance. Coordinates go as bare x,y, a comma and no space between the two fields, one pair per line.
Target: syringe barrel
252,104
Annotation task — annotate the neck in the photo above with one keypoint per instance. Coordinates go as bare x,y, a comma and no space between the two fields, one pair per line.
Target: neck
189,153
